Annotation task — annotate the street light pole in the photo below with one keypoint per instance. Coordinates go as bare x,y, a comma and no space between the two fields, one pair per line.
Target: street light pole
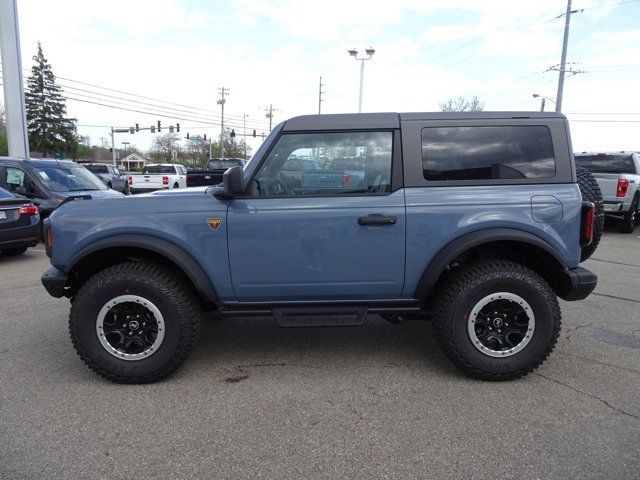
354,53
543,100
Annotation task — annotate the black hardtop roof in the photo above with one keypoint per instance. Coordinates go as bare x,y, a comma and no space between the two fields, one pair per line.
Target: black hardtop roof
392,119
36,162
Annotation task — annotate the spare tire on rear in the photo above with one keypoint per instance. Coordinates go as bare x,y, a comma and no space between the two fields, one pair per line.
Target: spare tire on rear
591,193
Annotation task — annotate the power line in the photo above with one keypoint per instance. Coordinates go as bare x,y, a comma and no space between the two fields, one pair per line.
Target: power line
211,112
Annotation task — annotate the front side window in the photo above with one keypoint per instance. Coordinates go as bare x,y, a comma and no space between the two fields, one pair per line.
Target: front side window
487,153
327,164
17,178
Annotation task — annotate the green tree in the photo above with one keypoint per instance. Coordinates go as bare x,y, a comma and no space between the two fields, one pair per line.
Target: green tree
50,131
461,104
164,146
232,147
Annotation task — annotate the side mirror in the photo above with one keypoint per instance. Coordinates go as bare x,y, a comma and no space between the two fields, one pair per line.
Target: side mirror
232,184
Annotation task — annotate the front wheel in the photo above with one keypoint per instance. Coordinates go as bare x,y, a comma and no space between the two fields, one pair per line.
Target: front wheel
496,320
135,322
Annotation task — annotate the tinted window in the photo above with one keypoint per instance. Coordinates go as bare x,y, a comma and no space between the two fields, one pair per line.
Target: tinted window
153,169
97,168
303,164
222,164
487,153
606,163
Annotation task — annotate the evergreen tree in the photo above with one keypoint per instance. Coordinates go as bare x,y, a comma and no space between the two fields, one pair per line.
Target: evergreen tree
50,131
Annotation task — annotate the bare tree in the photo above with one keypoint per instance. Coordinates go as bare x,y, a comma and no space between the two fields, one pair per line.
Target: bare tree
163,147
461,104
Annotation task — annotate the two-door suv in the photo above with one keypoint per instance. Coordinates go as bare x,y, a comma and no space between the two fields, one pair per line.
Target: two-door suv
473,219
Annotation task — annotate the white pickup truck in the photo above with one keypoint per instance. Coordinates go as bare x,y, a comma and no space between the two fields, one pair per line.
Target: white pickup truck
618,175
158,177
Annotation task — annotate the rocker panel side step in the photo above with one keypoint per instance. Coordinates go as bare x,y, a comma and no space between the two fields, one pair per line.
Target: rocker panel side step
343,316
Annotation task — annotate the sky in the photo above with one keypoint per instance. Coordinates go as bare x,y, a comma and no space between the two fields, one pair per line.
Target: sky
178,53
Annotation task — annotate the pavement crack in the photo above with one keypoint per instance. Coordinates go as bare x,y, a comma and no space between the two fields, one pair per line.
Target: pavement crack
572,330
616,297
590,395
616,263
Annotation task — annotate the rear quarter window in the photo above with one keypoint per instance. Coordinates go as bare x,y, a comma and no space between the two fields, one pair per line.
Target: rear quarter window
487,153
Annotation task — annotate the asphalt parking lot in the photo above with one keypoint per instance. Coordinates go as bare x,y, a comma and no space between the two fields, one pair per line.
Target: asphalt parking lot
380,401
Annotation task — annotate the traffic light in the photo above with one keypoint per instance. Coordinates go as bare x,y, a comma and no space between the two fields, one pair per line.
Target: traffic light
159,126
153,129
254,132
170,128
233,133
137,127
178,127
187,135
132,130
205,136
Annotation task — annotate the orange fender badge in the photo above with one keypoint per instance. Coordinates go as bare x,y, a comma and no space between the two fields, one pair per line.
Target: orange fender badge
214,222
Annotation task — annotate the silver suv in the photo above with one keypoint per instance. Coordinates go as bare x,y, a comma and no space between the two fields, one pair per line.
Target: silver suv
110,176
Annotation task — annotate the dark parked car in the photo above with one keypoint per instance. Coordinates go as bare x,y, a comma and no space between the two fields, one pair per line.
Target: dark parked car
110,176
19,224
48,182
211,174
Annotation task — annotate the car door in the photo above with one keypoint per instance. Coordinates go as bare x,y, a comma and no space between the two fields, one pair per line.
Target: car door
294,241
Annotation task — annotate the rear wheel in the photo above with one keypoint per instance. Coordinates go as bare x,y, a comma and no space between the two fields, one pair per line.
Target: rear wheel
134,322
630,219
14,251
591,193
496,320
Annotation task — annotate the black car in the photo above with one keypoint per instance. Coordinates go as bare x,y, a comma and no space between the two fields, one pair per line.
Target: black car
49,182
212,173
19,224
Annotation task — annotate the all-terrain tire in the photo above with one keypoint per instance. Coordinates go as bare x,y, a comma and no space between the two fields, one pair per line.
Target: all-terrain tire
630,219
468,285
591,193
170,293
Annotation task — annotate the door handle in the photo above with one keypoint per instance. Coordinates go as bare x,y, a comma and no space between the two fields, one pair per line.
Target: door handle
377,219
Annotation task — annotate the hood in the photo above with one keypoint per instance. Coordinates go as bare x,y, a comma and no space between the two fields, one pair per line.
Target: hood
107,193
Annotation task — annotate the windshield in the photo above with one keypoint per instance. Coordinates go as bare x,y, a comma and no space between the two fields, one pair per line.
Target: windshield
68,178
97,168
606,163
159,169
222,164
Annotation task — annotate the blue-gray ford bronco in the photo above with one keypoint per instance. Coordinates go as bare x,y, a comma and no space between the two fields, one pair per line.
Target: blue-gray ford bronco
473,220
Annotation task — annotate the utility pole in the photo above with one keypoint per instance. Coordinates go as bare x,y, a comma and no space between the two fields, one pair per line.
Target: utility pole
17,133
223,93
269,114
320,92
244,133
563,59
113,147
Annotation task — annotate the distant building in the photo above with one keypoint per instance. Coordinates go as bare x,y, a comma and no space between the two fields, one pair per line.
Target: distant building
132,160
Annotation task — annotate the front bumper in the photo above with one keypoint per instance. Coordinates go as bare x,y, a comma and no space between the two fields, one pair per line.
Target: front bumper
55,282
577,284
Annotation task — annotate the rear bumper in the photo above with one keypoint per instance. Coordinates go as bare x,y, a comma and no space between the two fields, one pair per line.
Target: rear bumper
577,284
54,282
26,236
